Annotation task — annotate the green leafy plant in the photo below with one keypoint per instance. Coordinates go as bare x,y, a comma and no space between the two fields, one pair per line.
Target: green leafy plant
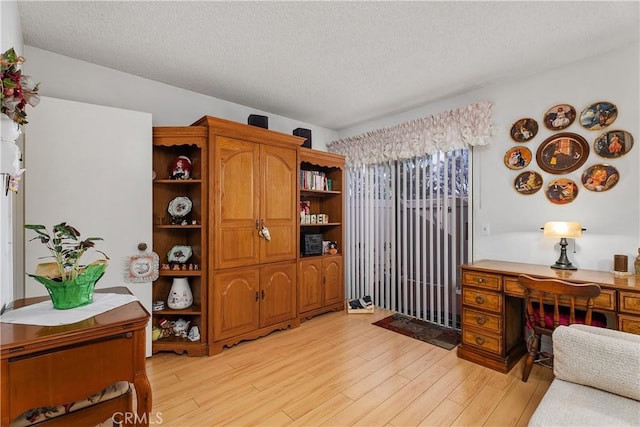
67,249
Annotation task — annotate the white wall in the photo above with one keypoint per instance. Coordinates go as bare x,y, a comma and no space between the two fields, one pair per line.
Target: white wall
10,36
90,166
67,78
612,218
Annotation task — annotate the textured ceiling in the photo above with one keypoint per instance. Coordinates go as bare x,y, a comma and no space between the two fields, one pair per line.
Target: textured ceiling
332,64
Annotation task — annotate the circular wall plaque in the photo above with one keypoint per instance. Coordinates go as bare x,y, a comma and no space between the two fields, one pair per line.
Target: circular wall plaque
524,130
517,157
562,153
600,177
528,182
559,117
613,144
598,115
562,191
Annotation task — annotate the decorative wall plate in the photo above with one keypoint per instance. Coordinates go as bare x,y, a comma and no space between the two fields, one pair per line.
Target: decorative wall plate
562,191
598,115
517,157
559,117
562,153
528,182
613,144
179,254
143,268
524,130
180,207
600,177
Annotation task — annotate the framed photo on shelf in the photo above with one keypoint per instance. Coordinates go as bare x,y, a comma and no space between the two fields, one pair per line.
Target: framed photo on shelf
562,153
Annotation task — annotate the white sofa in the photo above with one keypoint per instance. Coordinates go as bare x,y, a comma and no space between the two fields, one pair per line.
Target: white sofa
597,379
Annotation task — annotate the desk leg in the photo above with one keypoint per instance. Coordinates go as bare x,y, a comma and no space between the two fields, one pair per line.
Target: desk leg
6,399
143,396
141,381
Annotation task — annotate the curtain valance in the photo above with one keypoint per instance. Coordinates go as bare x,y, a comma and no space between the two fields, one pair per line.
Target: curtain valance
446,131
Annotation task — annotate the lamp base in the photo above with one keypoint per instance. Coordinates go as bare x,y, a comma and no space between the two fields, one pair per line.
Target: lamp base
564,266
563,262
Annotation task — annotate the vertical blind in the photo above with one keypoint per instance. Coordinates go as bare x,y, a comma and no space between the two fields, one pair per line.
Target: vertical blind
406,223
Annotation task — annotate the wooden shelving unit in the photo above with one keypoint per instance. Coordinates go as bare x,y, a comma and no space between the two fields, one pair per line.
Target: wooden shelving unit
321,277
168,144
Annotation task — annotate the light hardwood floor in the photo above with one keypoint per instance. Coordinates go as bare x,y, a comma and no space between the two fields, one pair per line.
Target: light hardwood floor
338,369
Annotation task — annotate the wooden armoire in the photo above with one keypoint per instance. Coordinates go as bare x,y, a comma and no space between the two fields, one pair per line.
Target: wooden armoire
253,231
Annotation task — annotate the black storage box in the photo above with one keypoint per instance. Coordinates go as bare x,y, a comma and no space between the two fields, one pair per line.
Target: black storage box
311,244
305,133
258,121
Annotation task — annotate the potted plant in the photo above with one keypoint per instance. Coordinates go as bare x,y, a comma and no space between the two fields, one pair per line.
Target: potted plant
69,283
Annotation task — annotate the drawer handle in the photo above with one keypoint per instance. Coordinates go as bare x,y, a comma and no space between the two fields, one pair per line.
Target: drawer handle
480,280
479,299
480,320
480,340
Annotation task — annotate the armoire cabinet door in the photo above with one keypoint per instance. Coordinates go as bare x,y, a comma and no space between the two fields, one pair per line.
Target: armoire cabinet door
235,201
278,293
235,303
332,272
310,290
278,203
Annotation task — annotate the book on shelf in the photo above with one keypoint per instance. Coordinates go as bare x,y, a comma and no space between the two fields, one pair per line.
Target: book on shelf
313,180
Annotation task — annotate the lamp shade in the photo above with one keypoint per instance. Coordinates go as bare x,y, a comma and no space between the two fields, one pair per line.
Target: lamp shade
562,229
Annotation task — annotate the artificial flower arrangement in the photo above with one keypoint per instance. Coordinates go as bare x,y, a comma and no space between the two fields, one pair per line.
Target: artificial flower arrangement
18,90
69,283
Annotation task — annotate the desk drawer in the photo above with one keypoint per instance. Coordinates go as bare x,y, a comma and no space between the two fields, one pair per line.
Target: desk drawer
485,321
482,340
629,302
629,324
483,300
69,374
512,287
482,280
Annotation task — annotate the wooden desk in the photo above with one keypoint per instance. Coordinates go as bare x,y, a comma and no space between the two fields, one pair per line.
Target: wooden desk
493,314
54,365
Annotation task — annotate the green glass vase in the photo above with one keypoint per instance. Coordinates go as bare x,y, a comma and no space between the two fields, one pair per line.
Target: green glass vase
73,293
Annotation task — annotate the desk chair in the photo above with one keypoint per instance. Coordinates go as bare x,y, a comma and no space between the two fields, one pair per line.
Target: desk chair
550,303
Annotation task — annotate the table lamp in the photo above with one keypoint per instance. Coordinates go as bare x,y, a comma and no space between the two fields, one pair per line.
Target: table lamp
563,230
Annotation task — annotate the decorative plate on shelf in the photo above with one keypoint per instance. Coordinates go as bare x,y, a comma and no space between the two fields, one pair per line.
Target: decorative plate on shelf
600,177
180,207
179,254
598,115
517,157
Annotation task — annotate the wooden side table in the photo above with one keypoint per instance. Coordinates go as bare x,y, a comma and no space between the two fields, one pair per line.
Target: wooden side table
53,365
